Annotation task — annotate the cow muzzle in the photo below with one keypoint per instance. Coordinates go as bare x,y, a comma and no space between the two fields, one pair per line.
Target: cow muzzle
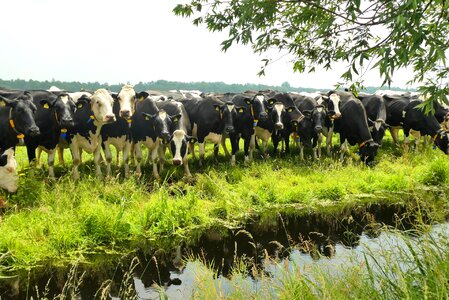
337,116
125,114
263,116
318,129
34,131
230,129
177,161
279,126
109,118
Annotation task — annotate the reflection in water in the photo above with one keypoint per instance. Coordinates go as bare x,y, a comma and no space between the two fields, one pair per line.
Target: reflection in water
281,236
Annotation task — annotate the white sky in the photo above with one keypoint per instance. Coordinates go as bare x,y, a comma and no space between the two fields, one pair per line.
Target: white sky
131,41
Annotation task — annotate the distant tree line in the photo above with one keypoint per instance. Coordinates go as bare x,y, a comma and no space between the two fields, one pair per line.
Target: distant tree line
160,85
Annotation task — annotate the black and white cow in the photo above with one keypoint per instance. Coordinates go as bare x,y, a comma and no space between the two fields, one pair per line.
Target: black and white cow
150,127
376,111
90,116
310,129
352,126
286,118
17,120
8,171
180,134
402,112
250,110
210,119
118,133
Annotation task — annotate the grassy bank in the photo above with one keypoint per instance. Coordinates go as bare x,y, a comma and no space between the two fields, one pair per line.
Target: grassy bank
63,219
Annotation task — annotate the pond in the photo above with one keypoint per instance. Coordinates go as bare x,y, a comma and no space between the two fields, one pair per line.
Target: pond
324,240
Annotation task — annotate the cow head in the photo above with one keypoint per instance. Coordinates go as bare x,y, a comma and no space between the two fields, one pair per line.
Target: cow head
21,114
101,103
178,146
161,123
64,109
441,140
8,171
333,106
258,106
368,151
277,113
227,115
377,129
126,97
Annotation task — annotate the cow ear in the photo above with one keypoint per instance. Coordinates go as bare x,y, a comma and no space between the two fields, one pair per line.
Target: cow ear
217,107
307,113
3,160
192,140
146,116
249,101
240,109
175,118
46,103
142,96
370,122
7,102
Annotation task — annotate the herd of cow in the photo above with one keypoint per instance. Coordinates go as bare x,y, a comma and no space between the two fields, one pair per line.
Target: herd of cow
92,121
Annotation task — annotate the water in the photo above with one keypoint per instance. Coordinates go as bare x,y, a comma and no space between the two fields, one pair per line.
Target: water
326,241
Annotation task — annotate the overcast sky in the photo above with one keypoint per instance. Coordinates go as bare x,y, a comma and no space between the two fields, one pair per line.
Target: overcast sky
131,41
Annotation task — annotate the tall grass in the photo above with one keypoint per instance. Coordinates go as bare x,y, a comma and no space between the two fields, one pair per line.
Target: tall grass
61,219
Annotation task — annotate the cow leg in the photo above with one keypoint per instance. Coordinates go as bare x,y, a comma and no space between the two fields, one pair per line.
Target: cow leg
131,153
126,153
138,155
275,144
246,145
252,146
223,144
329,141
154,155
60,151
38,156
97,159
318,145
264,149
161,153
234,147
117,157
287,143
108,157
76,160
202,152
81,155
301,149
192,150
51,163
394,134
185,161
216,150
344,149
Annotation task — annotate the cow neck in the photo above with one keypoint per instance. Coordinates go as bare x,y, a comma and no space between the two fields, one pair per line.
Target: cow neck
363,144
436,134
255,121
62,130
13,125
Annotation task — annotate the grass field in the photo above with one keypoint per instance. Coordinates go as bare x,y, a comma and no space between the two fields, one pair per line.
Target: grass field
60,220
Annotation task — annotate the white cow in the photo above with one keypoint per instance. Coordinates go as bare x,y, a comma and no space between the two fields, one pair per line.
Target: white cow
8,171
92,113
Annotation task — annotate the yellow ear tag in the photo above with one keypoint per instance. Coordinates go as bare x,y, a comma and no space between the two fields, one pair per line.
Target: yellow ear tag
46,106
11,122
241,110
63,130
80,105
2,104
141,99
20,136
290,110
92,117
147,118
217,108
129,120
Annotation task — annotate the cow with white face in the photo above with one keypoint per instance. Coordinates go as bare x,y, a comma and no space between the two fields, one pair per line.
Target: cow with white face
91,114
118,133
8,171
180,135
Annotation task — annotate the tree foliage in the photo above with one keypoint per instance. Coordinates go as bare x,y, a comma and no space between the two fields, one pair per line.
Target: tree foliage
382,34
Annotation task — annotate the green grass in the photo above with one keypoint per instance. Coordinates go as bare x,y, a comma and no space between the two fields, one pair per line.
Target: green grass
62,220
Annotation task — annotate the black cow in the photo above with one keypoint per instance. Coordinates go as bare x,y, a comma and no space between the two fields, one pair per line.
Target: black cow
310,129
353,126
180,134
250,110
150,127
17,121
376,111
283,108
210,119
402,112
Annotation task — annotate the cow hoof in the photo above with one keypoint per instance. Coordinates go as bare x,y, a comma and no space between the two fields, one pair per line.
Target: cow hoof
138,174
